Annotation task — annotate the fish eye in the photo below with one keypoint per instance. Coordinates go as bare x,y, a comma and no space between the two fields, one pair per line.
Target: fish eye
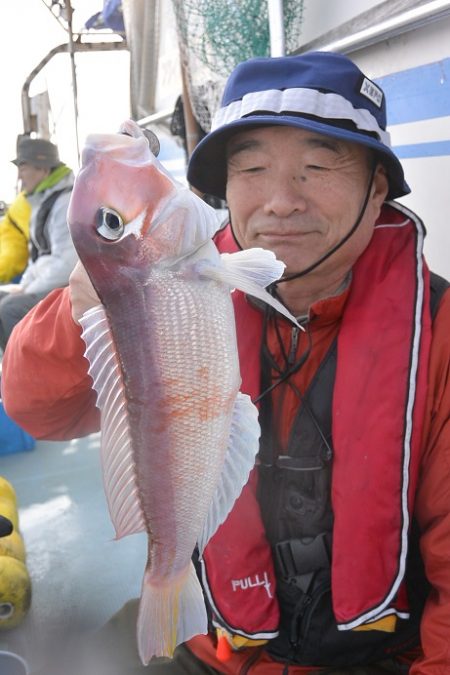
109,223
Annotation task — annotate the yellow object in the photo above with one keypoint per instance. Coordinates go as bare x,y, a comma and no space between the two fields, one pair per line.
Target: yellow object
15,592
8,509
387,624
237,641
15,584
14,234
13,546
7,491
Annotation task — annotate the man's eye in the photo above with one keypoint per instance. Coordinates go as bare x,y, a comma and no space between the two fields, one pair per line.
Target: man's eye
252,169
317,167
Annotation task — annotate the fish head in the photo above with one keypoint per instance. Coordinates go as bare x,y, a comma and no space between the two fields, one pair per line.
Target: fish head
126,212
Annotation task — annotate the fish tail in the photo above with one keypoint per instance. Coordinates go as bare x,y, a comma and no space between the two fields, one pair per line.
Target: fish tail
169,614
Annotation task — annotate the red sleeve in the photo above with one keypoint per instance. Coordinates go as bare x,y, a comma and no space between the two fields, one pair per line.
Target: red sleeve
46,388
433,503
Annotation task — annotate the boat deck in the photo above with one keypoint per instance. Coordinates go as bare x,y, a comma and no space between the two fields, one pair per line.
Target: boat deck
80,575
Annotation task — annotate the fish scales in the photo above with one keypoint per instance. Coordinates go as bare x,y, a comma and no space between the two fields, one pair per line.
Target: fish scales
178,438
186,325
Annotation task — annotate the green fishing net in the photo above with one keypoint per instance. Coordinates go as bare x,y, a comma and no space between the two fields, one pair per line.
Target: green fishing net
215,35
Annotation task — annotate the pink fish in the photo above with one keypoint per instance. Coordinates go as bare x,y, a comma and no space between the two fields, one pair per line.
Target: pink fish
178,438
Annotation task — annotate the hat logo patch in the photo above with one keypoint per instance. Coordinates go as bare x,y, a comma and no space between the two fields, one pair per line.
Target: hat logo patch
372,92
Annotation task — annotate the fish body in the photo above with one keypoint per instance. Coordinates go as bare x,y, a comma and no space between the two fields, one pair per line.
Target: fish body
178,438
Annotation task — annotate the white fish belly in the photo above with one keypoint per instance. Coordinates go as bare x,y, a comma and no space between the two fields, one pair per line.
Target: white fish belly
181,440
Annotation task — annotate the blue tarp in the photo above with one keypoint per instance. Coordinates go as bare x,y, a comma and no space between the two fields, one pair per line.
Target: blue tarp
111,17
12,437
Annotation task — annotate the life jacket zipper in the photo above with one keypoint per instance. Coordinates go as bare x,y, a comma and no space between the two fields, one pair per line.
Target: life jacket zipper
297,619
305,620
294,344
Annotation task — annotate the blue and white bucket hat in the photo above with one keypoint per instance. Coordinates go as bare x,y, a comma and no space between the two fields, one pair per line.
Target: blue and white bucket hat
318,91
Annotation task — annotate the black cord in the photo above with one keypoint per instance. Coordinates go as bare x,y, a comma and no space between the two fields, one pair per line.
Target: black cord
272,288
307,407
284,375
329,253
268,362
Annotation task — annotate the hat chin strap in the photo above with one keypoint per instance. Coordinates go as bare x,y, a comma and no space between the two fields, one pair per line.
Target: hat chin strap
297,275
328,254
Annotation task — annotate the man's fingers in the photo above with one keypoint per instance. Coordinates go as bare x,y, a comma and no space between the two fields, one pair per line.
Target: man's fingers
82,293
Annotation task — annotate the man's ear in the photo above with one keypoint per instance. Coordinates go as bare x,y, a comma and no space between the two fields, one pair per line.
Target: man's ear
380,185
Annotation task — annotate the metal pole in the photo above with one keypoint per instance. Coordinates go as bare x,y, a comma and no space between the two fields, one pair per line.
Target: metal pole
61,49
276,27
74,73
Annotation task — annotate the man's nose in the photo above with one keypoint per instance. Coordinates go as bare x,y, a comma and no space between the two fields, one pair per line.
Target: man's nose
285,196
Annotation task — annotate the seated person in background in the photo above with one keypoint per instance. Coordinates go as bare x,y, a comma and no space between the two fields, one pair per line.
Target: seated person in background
14,233
47,184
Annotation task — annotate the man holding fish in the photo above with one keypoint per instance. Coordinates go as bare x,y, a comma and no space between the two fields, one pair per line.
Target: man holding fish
331,554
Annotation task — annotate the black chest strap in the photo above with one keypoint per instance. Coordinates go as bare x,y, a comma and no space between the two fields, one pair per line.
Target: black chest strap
40,243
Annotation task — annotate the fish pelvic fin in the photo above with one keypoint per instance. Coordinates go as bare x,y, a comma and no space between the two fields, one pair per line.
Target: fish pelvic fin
169,614
118,465
250,271
243,446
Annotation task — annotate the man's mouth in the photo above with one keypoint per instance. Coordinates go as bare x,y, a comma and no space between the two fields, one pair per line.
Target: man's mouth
280,234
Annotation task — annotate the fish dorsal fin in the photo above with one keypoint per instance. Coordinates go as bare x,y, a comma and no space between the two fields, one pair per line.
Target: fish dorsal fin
239,460
119,476
250,271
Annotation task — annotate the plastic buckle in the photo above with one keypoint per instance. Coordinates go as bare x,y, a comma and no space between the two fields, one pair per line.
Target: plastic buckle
302,557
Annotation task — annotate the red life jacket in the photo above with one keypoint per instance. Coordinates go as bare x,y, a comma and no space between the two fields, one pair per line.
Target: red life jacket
383,348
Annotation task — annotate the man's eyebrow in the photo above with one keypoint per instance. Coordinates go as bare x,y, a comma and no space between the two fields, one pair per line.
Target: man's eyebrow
234,149
313,142
324,142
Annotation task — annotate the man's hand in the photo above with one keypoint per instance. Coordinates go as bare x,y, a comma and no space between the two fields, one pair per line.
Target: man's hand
82,293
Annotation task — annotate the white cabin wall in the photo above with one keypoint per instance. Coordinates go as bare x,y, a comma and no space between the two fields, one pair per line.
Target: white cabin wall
428,177
321,16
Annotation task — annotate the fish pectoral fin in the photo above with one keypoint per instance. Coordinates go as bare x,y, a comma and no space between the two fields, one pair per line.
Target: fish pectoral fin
250,271
169,614
239,460
119,477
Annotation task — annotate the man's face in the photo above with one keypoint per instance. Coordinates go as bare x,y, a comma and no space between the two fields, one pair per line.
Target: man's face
30,176
298,193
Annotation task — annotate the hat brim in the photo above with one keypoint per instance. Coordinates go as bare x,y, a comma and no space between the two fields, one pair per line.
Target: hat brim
39,164
207,166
